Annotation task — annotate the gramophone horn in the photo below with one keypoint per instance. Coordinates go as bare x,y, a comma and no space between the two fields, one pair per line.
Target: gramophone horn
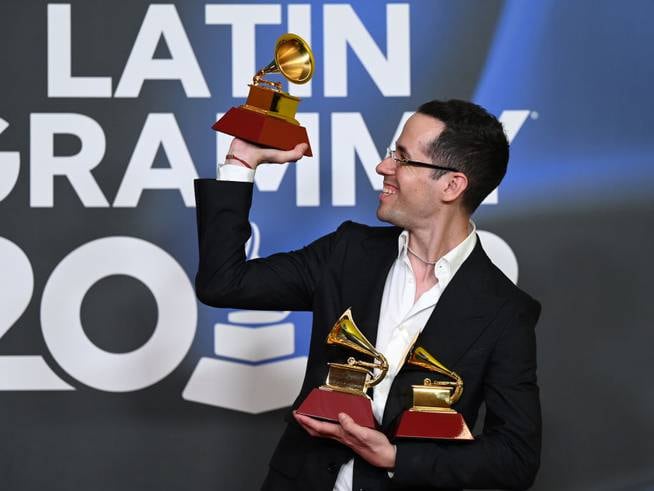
293,59
346,333
422,358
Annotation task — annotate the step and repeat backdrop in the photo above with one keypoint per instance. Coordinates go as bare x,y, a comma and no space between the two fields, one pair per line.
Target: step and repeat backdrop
114,377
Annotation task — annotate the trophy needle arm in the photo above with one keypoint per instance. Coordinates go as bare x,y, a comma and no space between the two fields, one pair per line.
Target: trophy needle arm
458,391
420,357
382,366
259,80
346,333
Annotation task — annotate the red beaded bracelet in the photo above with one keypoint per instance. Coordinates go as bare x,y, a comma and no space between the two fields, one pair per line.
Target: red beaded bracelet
234,157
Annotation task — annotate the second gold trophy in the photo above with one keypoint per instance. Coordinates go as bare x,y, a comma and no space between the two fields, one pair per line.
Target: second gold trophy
345,389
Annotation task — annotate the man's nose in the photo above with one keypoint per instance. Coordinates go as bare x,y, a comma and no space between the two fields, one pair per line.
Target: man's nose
385,167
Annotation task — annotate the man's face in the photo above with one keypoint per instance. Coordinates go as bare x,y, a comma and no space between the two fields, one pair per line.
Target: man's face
411,197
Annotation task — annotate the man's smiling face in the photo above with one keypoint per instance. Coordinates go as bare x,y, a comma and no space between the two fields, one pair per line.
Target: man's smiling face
410,197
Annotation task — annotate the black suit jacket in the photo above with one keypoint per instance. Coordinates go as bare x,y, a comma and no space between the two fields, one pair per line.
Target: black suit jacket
482,328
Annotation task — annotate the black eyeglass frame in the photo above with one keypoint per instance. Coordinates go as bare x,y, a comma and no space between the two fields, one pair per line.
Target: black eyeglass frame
393,155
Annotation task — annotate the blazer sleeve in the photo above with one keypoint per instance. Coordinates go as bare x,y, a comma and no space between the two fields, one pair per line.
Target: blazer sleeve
507,454
225,278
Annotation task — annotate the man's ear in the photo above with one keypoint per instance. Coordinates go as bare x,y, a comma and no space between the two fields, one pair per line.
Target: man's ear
454,184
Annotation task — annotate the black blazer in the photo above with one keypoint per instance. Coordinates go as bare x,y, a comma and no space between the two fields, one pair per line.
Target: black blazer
482,328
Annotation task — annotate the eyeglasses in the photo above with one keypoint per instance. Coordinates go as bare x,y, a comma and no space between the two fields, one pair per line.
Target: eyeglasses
400,161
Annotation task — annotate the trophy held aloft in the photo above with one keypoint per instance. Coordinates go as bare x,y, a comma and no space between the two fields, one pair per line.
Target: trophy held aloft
432,415
347,383
268,116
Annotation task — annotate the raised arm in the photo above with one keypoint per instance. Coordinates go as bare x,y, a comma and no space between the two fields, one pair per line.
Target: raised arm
225,279
283,281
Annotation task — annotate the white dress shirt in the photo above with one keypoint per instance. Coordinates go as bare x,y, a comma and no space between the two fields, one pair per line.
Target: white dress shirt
401,319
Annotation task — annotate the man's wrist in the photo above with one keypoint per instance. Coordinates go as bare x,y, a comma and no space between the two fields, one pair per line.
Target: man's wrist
232,159
242,153
235,173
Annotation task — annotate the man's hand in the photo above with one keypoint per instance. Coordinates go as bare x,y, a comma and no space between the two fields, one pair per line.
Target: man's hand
255,155
371,445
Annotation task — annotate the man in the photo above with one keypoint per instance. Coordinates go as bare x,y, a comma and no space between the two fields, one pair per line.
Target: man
426,281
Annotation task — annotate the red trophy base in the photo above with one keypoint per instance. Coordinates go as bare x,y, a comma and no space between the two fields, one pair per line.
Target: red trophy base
434,425
326,404
267,131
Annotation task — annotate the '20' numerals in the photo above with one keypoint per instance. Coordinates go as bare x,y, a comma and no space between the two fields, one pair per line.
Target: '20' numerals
61,323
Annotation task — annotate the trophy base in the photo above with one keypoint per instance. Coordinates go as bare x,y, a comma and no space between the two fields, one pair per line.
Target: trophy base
327,404
433,425
267,131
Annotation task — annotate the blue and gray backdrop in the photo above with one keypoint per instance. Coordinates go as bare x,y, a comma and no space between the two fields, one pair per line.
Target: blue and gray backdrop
113,376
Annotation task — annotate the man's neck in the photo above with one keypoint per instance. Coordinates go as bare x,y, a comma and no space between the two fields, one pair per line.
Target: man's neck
429,244
441,236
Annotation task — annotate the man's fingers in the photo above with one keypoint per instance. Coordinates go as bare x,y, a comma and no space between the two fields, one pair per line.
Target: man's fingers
282,156
322,428
302,423
255,154
346,431
353,429
299,149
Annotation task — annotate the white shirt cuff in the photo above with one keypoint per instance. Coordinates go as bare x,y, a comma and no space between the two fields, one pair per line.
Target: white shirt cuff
237,173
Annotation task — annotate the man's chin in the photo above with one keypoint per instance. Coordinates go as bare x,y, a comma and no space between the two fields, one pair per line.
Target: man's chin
384,216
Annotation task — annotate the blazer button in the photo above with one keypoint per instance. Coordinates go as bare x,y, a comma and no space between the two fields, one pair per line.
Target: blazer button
333,467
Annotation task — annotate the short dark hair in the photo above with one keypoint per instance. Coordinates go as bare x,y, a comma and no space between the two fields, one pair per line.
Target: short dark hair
473,142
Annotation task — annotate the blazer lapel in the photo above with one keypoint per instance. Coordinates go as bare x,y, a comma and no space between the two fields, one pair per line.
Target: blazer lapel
370,269
463,311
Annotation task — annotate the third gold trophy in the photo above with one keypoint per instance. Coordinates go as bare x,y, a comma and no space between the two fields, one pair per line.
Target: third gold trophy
432,415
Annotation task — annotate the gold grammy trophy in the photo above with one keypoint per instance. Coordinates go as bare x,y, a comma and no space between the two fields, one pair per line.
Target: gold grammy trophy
347,383
268,116
432,415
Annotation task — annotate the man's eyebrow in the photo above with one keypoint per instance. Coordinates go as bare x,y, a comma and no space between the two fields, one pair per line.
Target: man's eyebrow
402,149
427,148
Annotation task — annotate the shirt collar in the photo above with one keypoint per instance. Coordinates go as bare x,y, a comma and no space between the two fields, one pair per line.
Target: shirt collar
402,244
449,264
